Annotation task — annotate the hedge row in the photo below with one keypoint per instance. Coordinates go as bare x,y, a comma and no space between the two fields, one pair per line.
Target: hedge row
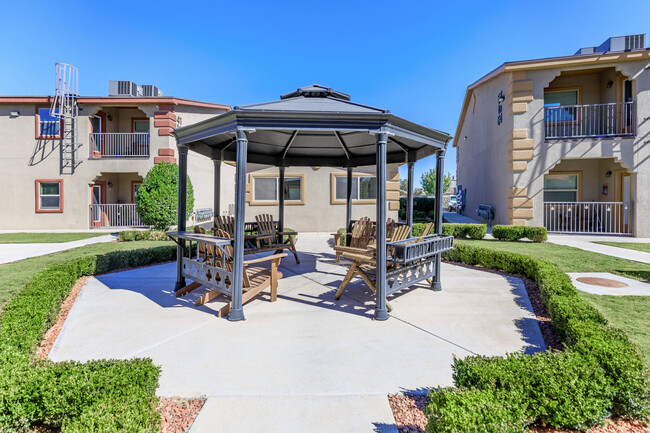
514,233
142,235
99,396
600,373
474,231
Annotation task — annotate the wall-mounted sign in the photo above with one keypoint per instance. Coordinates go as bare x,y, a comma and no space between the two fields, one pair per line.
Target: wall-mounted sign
605,190
500,99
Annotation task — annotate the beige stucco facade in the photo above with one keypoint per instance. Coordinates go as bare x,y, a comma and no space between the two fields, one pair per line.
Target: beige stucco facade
505,164
318,209
25,158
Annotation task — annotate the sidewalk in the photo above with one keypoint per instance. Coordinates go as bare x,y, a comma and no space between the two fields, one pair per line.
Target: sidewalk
586,242
14,252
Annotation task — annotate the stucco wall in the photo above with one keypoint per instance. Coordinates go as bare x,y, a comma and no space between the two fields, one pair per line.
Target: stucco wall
317,214
483,156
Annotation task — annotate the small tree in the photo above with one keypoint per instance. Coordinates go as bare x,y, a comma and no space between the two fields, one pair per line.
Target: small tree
428,181
157,198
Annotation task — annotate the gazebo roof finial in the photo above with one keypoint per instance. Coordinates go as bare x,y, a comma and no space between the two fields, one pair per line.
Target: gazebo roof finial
316,91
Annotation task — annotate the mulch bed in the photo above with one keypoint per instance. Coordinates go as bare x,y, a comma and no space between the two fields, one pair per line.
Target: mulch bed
177,414
408,409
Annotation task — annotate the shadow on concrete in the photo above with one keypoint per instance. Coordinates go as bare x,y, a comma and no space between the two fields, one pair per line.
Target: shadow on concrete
528,327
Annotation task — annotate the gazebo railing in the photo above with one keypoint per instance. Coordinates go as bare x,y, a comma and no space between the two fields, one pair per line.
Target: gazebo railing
415,260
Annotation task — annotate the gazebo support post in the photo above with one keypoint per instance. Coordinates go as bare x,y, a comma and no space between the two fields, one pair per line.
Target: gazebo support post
440,167
348,206
381,313
182,211
409,195
217,187
237,311
281,203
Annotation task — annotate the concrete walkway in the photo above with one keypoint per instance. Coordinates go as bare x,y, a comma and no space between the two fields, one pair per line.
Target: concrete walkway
14,252
587,243
305,362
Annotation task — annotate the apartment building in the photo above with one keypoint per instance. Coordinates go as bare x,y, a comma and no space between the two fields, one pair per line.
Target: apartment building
119,138
51,186
562,142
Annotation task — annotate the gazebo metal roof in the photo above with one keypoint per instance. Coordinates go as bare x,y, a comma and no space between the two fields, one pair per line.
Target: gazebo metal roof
312,126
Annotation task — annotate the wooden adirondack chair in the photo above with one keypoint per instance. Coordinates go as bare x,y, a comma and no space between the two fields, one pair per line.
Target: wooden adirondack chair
256,278
362,232
225,223
206,252
269,239
364,265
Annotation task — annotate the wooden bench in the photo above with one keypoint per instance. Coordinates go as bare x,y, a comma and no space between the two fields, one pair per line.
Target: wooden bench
216,271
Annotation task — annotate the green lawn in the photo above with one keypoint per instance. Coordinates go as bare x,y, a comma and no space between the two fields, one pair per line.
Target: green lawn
630,313
44,238
629,245
14,276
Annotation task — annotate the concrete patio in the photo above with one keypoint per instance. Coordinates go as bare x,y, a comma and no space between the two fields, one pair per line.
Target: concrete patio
305,357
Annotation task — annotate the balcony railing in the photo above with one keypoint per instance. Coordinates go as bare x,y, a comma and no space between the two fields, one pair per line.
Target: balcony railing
114,215
119,145
597,120
588,217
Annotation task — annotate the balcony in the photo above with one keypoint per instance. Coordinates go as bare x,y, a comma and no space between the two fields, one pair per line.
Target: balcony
114,215
119,145
590,121
614,218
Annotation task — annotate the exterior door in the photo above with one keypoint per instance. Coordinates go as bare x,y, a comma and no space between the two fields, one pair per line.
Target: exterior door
97,212
623,194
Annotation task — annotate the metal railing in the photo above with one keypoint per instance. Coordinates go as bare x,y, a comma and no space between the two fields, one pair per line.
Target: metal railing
114,215
588,217
596,120
119,145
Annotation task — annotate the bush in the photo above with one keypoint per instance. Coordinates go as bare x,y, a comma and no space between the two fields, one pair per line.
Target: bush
514,233
142,235
157,198
600,373
461,231
101,396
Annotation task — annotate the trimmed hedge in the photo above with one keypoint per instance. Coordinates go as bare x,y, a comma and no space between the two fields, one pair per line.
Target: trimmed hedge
600,373
98,396
142,235
514,233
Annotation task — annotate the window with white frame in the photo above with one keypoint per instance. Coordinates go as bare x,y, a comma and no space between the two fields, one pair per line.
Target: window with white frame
363,187
265,189
49,197
561,187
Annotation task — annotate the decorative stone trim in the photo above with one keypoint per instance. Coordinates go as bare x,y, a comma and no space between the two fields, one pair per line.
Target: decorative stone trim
520,92
165,120
165,152
159,159
520,206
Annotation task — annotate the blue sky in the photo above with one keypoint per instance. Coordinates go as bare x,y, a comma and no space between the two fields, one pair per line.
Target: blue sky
414,58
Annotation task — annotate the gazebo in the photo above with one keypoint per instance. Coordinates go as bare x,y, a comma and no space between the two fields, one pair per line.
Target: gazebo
314,126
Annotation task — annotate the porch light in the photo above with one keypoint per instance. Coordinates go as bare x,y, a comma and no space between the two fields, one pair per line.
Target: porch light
608,173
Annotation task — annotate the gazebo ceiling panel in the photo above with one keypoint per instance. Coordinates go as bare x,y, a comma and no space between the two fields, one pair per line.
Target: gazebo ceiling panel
313,126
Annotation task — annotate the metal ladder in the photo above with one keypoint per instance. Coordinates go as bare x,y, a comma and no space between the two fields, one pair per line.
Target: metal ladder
65,107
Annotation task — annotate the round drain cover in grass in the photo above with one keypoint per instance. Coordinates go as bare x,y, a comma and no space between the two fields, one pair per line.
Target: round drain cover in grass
602,282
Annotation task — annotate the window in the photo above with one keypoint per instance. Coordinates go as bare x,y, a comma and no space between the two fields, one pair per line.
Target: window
558,99
562,187
48,126
141,125
364,188
49,195
265,189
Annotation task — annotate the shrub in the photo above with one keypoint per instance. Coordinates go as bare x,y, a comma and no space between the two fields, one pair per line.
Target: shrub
601,373
157,198
514,233
101,396
461,231
142,235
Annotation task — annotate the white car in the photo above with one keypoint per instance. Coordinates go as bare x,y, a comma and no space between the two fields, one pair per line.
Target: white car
453,203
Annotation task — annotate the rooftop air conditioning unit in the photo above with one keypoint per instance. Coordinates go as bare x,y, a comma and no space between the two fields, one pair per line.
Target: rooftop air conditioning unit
623,43
151,90
122,88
